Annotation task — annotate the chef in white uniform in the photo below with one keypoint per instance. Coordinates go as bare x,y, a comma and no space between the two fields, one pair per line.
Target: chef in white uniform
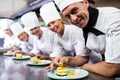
10,40
70,38
26,39
44,42
67,34
5,23
101,28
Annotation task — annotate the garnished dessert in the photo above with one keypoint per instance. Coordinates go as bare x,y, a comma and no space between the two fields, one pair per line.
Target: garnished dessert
10,52
62,71
34,60
19,55
75,72
72,73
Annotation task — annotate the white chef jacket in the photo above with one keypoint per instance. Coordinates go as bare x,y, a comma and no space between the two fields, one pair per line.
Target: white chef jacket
109,23
45,44
9,41
72,41
28,46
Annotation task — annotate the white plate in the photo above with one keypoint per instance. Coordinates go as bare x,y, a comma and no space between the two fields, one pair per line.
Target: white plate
83,74
7,54
43,63
23,57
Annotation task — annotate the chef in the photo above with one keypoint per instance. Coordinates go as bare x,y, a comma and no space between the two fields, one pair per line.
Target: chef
44,42
26,39
10,40
101,31
70,38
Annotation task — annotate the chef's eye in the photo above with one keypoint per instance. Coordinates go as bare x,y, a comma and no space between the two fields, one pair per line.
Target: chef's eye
74,10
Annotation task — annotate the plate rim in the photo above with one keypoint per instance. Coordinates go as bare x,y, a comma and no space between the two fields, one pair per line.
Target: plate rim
69,78
25,57
6,54
32,64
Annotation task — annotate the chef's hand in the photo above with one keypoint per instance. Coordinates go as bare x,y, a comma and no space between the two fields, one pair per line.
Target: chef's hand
61,61
51,67
58,61
14,47
43,57
17,51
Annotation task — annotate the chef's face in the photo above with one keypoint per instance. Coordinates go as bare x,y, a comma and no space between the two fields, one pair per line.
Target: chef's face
23,36
36,31
8,32
77,13
56,26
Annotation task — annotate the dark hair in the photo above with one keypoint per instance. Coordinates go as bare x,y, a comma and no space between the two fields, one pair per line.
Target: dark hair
91,1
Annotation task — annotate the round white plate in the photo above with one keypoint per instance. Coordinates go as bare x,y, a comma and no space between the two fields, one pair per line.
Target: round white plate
53,75
7,54
43,62
23,57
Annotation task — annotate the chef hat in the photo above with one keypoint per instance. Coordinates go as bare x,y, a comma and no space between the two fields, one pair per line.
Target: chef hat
5,23
30,20
49,13
16,28
62,4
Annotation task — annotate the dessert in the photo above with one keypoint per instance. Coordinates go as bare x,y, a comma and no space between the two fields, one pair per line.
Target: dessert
34,60
62,65
72,73
62,71
19,55
40,62
10,52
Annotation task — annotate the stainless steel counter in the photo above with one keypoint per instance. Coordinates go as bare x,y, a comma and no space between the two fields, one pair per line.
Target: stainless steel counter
18,70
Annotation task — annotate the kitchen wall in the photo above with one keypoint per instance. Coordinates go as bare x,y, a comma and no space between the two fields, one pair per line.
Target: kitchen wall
114,3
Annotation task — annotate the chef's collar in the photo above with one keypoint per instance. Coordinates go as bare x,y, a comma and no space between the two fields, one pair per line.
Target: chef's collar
93,15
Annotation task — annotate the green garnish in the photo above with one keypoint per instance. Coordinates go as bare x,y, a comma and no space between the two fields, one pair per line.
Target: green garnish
61,65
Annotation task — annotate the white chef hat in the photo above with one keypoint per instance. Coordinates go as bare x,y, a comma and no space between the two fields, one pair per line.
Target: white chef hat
5,23
62,4
49,13
16,28
30,20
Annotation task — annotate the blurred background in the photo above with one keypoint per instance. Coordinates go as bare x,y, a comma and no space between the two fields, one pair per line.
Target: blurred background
14,9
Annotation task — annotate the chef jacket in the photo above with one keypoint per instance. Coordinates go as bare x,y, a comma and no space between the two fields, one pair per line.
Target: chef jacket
28,46
72,41
10,41
45,44
108,22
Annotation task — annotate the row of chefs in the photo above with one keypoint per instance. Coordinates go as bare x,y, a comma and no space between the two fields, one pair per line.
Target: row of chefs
60,39
32,40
